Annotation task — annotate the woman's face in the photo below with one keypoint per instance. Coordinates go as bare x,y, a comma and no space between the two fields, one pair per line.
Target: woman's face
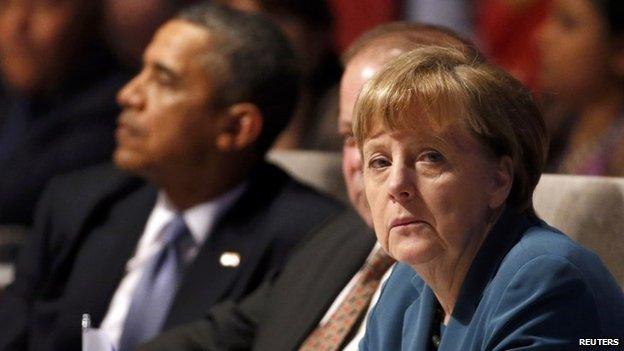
431,190
575,51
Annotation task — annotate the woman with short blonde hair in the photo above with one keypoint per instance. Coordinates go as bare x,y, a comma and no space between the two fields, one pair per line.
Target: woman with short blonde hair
452,150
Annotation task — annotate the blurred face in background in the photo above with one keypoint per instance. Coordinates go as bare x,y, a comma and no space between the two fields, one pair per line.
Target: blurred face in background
359,70
38,39
576,52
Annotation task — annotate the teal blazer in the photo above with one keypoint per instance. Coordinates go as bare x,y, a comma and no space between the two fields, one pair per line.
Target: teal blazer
530,287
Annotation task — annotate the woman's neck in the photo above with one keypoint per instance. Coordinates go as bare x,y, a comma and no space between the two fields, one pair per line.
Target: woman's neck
445,275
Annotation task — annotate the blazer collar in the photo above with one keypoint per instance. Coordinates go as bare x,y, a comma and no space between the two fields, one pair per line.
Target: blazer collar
503,236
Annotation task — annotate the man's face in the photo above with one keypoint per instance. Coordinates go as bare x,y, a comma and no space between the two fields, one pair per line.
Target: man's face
168,122
37,39
359,70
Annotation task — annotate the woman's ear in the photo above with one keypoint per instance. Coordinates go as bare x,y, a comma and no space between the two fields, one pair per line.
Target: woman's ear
242,125
502,181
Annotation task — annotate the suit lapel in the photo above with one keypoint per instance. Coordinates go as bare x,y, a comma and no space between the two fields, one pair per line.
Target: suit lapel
207,280
110,243
240,231
314,277
331,279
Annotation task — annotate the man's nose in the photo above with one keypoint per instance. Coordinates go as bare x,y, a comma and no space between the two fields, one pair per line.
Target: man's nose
132,94
401,183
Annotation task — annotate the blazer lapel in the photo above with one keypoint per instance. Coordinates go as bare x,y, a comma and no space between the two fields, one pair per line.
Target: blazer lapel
419,319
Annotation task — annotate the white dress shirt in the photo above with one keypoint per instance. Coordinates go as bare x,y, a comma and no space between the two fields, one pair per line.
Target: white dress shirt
353,343
200,220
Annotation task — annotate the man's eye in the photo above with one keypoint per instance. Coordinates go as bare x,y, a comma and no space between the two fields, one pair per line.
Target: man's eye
164,79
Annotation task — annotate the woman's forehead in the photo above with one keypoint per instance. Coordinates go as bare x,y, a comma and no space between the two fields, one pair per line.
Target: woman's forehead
450,134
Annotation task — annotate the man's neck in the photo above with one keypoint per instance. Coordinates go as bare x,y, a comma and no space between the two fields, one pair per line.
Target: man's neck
193,187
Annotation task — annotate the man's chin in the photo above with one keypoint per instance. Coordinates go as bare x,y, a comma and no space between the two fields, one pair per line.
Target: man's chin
128,161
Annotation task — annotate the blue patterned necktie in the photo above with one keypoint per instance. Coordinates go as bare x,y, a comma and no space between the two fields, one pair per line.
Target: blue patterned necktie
156,289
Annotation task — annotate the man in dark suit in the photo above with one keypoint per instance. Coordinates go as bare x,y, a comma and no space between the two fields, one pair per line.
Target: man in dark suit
288,312
205,215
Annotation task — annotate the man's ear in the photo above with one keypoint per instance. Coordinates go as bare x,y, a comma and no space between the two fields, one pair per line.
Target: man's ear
502,181
241,127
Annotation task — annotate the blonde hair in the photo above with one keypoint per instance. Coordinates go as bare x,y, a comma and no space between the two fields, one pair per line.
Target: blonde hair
447,86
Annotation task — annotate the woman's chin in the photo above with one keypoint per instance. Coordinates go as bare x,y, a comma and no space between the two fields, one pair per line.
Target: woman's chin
414,253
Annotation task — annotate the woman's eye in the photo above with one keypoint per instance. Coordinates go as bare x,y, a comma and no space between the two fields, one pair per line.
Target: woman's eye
378,163
432,157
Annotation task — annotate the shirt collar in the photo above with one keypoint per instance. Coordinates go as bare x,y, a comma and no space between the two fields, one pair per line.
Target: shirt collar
200,218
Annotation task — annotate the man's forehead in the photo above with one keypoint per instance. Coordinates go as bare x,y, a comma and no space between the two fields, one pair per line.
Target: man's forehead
177,42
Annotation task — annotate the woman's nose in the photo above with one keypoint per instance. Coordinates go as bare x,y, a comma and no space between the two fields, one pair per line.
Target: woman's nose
401,184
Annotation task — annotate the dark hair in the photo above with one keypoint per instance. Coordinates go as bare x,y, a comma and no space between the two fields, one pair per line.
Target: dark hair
314,13
251,62
613,13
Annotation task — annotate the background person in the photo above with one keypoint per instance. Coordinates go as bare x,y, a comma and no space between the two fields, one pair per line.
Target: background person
452,149
582,74
199,219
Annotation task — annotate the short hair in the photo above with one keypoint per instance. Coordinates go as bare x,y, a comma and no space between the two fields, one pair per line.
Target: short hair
252,61
407,36
449,86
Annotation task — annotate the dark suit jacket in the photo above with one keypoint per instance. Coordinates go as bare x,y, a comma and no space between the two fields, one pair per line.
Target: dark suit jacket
281,313
88,226
529,288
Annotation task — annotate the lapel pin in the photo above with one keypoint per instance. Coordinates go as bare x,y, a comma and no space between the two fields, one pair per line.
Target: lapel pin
230,259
